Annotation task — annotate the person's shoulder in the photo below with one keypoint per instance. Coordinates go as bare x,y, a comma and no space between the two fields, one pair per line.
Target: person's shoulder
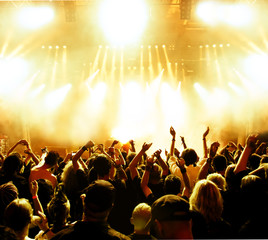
65,233
117,235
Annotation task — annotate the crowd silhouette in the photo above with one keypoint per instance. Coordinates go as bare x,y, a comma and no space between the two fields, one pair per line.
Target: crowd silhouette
120,192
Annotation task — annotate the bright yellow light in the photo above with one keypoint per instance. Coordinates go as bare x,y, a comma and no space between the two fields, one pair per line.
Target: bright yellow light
12,73
98,94
35,17
208,12
256,68
219,12
55,98
238,15
37,91
123,21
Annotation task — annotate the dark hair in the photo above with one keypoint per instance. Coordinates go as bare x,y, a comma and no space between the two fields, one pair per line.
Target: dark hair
219,163
102,165
100,196
254,161
12,164
18,214
52,158
172,184
59,207
190,157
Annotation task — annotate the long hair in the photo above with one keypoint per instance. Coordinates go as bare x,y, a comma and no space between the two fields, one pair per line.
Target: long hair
206,199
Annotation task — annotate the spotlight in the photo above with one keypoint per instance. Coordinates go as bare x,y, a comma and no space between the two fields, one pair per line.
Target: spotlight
64,46
50,47
34,17
57,47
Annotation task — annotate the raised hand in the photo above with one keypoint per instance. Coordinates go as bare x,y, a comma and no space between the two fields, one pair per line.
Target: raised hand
206,133
89,144
172,132
34,188
251,141
213,149
146,146
157,153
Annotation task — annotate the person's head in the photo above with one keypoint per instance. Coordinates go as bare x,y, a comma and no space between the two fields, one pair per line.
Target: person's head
102,165
218,179
172,184
232,181
141,216
254,161
129,157
219,163
155,174
171,217
254,193
18,215
59,207
52,158
98,200
8,192
190,156
12,164
206,199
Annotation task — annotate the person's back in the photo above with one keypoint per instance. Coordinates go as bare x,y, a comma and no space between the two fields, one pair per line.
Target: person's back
98,201
43,171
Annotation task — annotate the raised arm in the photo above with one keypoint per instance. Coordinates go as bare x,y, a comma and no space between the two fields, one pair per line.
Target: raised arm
248,150
133,164
132,144
34,191
203,172
161,162
173,134
145,177
79,153
205,148
187,187
183,142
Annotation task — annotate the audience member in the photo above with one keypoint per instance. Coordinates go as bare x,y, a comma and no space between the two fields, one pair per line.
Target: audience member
98,201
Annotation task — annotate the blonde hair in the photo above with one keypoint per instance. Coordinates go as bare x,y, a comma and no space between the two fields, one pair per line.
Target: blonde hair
206,199
218,179
141,216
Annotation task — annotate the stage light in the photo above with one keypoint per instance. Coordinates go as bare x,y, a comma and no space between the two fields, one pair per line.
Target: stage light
214,45
221,45
64,46
57,47
35,17
43,46
238,15
123,21
50,47
207,11
55,98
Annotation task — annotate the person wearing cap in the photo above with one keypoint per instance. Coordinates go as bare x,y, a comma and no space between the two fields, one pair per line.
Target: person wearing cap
171,218
98,200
